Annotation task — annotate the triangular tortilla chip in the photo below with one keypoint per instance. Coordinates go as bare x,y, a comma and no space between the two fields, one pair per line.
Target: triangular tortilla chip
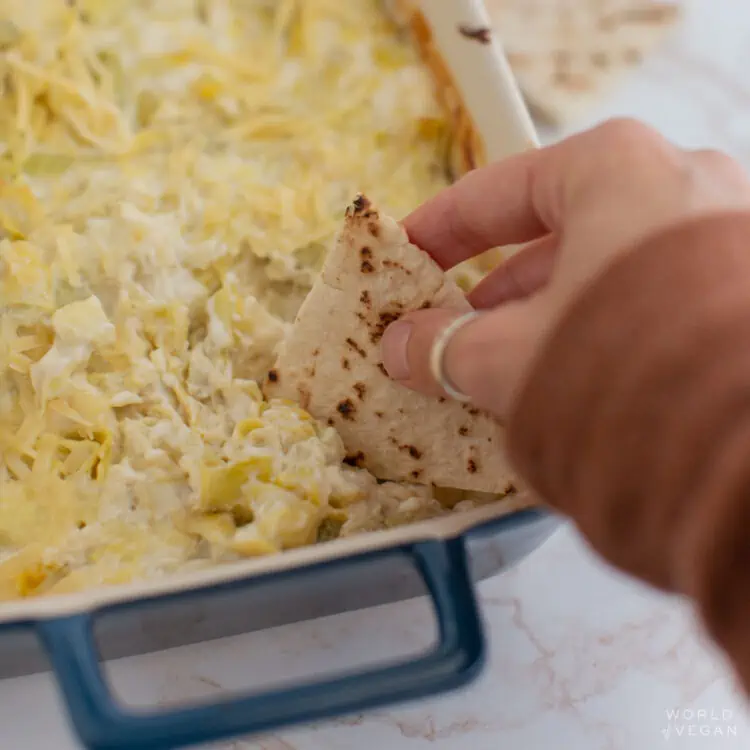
568,54
331,364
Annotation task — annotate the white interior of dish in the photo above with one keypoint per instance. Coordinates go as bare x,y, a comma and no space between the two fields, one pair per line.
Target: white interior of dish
492,99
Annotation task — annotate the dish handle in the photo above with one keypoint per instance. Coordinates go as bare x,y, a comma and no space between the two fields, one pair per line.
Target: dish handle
103,722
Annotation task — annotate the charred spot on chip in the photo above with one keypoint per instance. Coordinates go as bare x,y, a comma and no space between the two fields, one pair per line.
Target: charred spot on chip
382,369
352,344
473,411
273,375
365,253
360,203
346,408
374,229
316,351
357,460
464,431
425,305
360,389
345,363
650,13
384,320
632,55
366,267
379,414
387,263
519,59
599,59
330,422
471,466
442,399
365,299
361,316
511,489
412,450
480,34
416,473
568,80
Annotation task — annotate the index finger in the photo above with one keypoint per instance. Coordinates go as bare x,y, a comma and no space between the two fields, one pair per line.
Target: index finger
486,208
524,197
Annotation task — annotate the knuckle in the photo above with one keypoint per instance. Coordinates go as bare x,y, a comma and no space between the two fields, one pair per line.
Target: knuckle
461,231
619,155
631,135
719,163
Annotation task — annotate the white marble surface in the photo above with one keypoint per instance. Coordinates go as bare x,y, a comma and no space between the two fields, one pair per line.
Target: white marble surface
580,657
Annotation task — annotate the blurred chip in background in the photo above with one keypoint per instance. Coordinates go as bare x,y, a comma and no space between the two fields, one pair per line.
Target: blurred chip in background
567,54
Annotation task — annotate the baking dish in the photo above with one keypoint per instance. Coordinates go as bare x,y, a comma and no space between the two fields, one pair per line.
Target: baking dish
489,121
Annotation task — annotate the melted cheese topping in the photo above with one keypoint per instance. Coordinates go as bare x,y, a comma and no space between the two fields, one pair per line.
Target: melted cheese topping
171,174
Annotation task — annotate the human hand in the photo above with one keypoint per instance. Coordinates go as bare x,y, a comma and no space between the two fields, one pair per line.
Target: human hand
580,204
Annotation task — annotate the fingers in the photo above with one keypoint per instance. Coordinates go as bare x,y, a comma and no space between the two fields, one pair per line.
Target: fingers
518,277
526,196
484,359
599,191
723,179
486,208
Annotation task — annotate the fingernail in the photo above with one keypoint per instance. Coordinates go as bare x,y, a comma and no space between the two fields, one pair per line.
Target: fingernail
394,349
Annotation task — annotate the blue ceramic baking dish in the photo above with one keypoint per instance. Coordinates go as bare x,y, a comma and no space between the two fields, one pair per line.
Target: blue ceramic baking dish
344,575
73,634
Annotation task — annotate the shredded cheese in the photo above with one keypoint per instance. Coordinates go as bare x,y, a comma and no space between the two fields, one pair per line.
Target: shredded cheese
171,174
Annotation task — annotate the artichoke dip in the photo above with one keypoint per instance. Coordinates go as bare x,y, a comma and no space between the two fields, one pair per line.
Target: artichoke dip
171,175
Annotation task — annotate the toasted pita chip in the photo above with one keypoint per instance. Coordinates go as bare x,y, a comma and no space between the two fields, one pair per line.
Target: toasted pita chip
568,54
331,364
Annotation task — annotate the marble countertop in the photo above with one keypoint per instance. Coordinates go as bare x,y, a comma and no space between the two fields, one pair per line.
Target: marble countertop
580,656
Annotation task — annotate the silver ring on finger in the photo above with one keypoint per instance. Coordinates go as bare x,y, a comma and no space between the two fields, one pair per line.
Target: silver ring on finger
437,357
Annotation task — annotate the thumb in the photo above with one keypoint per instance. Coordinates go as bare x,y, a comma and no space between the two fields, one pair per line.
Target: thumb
485,359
